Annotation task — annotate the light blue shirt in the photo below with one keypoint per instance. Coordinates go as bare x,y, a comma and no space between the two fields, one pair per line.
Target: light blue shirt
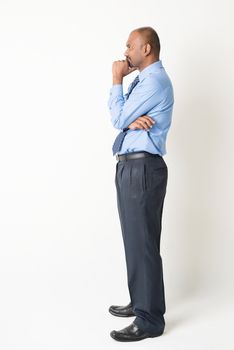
152,96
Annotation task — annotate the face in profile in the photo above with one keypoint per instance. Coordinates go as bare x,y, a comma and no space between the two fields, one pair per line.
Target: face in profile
134,50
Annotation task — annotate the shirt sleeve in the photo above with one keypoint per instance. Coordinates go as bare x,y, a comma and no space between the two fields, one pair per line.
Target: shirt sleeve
142,99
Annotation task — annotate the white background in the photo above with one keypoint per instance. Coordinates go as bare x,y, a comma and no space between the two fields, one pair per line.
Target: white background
61,252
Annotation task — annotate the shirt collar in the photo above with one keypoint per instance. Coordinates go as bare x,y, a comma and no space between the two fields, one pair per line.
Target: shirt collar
153,67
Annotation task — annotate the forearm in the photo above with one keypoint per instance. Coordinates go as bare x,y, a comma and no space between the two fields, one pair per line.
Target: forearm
123,113
117,80
116,101
119,70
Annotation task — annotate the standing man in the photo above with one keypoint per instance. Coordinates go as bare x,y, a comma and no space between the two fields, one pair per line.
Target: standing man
143,116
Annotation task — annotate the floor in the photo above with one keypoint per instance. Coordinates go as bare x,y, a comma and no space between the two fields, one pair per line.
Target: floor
40,311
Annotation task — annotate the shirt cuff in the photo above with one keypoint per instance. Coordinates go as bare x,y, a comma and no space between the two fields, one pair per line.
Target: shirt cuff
116,90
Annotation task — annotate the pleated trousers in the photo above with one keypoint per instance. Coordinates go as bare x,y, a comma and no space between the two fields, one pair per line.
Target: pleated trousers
141,187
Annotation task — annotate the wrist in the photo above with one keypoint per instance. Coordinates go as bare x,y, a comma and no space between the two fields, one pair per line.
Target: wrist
117,80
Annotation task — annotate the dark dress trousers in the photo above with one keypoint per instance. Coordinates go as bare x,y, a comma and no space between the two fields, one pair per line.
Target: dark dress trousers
141,187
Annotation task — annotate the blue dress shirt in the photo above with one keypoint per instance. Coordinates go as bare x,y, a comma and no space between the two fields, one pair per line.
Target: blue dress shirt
152,96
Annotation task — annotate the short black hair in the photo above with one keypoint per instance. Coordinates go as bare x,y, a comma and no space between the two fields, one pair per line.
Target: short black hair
151,37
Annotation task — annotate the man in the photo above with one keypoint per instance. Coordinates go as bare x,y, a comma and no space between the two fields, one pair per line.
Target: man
143,115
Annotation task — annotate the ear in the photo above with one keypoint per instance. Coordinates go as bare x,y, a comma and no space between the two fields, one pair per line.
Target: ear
147,49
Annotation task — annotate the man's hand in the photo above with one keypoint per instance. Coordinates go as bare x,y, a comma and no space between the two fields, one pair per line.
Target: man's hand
120,69
144,123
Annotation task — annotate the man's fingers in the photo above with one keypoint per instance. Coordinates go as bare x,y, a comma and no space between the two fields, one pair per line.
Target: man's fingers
135,125
141,124
152,121
132,126
144,123
147,121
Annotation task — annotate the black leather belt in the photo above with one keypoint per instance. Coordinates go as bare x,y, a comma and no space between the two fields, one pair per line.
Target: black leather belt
135,155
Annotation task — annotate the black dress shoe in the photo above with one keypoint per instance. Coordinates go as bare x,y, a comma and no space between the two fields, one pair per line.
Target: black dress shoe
121,311
132,333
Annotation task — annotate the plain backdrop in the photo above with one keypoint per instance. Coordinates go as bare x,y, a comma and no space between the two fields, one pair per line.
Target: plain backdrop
62,261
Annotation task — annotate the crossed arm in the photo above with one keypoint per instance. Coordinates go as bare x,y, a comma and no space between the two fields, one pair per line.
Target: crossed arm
144,123
126,114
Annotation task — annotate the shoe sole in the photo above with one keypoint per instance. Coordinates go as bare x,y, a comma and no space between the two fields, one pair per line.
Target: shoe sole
120,315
